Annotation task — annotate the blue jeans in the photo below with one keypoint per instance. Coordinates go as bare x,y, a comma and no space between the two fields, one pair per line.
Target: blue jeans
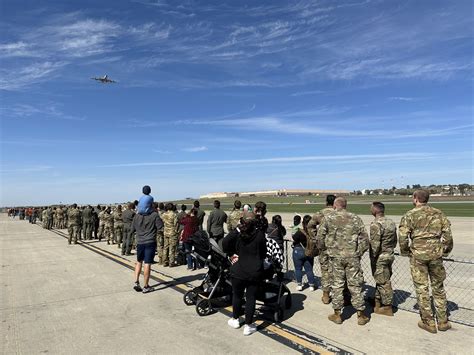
302,261
188,248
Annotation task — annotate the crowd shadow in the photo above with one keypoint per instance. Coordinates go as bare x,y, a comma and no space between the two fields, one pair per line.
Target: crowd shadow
297,304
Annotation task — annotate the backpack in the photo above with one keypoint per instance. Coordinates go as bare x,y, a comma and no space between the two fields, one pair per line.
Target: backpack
311,250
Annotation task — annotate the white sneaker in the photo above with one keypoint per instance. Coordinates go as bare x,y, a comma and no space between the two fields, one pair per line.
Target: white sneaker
234,323
250,329
299,288
311,288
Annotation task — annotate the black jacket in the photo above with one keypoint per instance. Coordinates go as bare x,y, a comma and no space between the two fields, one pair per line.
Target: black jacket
251,249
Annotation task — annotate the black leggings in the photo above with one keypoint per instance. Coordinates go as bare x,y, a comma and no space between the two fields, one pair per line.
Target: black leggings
238,288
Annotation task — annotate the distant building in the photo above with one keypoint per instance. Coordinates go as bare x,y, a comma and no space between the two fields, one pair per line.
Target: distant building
281,192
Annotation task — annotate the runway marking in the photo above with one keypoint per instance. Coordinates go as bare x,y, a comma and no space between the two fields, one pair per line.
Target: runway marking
284,334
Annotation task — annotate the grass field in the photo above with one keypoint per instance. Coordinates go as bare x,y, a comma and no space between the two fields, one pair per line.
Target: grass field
397,205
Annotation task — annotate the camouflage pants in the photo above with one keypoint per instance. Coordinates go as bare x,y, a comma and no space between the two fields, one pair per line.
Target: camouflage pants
347,270
325,270
73,233
118,228
423,273
87,229
109,232
159,245
169,248
61,223
101,230
382,272
127,239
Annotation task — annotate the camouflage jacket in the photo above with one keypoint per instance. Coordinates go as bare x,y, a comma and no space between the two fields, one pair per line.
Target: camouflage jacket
74,216
117,217
170,221
101,217
234,219
343,235
59,213
316,221
383,237
429,232
108,219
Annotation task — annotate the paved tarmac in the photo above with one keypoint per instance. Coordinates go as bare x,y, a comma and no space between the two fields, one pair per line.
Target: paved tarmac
59,298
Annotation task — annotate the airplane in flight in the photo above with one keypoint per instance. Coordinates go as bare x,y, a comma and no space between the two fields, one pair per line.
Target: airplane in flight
104,79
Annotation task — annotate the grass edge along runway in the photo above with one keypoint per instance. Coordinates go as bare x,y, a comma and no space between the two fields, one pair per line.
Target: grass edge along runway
451,209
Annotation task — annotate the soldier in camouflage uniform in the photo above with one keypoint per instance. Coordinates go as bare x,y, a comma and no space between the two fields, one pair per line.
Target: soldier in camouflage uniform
127,219
101,222
233,220
60,217
425,236
109,226
344,237
326,274
79,234
383,240
170,221
160,238
44,217
118,225
87,222
49,215
73,220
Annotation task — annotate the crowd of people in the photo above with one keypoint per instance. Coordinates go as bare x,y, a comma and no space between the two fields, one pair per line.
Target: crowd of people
337,237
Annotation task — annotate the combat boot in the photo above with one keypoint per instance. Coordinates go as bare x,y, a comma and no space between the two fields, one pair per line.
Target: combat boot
444,326
362,319
428,327
326,298
384,310
377,305
336,317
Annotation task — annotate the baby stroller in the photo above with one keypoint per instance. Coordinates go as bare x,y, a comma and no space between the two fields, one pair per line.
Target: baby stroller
216,289
274,295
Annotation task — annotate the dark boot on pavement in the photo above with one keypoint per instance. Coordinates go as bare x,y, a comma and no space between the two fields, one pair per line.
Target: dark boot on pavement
336,317
362,319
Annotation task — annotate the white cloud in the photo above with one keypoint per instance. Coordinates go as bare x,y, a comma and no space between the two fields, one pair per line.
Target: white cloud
285,160
28,75
47,110
195,149
308,92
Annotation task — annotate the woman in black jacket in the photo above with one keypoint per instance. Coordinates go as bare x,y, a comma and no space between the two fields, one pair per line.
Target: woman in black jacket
247,246
277,231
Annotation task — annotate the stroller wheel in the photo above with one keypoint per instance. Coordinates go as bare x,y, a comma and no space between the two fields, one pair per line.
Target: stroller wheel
278,315
204,307
190,298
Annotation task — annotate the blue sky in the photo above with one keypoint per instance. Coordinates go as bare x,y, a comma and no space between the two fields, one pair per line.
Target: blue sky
231,96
